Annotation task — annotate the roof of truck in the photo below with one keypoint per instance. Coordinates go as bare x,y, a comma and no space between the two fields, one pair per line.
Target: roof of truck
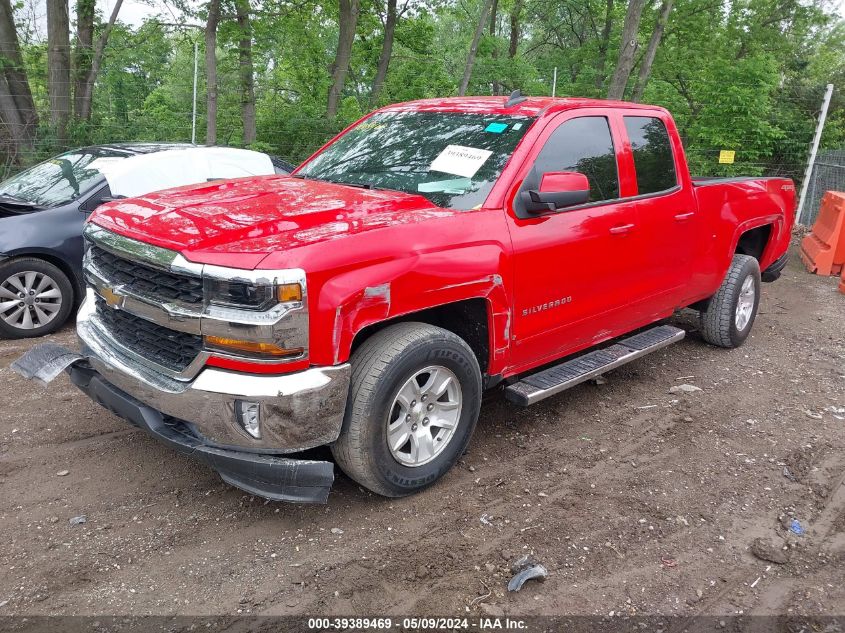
531,106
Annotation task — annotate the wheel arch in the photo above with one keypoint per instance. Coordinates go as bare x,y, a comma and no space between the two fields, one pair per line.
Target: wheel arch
753,241
468,318
759,239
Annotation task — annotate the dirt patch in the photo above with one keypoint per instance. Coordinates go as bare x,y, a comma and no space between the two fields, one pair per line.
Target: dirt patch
635,499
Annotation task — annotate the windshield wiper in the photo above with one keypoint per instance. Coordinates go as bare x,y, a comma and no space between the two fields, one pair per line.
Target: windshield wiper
360,185
11,200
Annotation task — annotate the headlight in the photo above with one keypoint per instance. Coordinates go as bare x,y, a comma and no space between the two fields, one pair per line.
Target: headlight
250,296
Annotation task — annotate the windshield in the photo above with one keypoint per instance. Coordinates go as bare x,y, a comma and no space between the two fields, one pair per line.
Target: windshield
453,159
59,180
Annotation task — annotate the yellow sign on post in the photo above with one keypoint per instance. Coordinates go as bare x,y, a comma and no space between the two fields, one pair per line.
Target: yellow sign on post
726,156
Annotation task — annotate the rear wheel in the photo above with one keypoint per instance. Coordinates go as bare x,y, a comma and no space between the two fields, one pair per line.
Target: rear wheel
730,313
35,298
413,404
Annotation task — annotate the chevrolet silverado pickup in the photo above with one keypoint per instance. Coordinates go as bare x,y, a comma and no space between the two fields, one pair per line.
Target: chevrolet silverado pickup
431,251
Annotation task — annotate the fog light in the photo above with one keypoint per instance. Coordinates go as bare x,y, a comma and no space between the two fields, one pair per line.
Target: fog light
248,415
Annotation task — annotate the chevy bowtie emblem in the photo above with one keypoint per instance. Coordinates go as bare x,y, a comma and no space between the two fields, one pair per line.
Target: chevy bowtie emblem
113,300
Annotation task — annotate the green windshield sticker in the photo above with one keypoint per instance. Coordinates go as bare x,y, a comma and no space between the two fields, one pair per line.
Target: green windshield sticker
517,126
496,128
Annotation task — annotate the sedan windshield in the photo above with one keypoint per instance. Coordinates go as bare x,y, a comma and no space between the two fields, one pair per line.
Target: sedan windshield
59,180
453,159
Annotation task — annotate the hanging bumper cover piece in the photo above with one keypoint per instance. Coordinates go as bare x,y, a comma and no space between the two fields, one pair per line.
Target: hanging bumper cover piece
256,471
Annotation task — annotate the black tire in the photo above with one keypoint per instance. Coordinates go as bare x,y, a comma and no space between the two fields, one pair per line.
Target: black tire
719,318
383,364
20,266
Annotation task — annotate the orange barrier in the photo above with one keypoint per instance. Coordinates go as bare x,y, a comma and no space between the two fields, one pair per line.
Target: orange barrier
842,283
823,250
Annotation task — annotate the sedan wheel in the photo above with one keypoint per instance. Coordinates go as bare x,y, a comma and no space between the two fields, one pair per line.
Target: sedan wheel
36,297
29,300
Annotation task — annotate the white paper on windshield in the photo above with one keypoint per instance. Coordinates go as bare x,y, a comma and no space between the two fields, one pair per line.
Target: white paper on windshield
460,160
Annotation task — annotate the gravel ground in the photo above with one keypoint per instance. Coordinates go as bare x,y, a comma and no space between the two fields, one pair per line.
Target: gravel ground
636,499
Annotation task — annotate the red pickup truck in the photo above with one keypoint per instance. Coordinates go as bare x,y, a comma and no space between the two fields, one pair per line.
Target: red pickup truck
432,250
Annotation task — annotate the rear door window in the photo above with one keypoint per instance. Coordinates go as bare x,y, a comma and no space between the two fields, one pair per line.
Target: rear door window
653,158
583,144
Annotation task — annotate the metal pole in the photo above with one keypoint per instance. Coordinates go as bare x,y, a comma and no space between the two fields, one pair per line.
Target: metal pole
194,113
554,82
813,151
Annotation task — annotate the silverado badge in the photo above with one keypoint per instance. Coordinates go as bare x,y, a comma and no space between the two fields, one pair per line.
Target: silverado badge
545,306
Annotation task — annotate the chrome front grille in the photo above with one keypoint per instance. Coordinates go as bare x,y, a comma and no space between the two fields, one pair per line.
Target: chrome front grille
149,302
145,280
158,344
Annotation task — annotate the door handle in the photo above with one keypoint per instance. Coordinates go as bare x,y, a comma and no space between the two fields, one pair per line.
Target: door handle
684,216
622,229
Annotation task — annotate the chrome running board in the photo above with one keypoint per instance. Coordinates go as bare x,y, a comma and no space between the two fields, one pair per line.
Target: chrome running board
553,380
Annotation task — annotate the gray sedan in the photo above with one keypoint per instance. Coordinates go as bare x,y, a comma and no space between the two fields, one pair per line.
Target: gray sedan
43,210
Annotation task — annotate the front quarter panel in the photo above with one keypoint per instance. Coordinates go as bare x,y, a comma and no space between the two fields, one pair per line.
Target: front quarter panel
402,268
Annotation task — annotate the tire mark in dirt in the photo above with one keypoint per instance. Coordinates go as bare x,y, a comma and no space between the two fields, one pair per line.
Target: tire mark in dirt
47,451
773,598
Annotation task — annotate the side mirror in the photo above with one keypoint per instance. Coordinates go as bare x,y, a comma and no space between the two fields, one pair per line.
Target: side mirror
557,190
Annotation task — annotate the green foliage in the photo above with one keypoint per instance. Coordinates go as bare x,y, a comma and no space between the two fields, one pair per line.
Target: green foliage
743,75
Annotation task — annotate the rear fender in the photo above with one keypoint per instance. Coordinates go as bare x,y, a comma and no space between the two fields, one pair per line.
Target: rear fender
774,246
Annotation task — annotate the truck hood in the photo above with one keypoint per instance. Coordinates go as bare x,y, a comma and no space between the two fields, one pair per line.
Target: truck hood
238,222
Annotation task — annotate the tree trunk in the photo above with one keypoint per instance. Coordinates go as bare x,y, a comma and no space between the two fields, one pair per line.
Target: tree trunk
87,95
473,47
494,10
83,51
386,51
14,126
211,72
58,65
347,23
604,43
17,107
651,51
513,45
627,49
245,70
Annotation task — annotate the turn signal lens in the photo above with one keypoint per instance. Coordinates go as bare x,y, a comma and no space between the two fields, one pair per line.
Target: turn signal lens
289,292
251,347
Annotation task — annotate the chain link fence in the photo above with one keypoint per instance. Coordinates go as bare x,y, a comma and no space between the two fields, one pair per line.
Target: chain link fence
828,175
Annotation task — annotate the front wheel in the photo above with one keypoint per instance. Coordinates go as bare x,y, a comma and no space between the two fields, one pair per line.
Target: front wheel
730,313
413,404
36,298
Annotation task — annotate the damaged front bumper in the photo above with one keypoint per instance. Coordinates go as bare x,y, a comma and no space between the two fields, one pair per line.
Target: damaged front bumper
253,469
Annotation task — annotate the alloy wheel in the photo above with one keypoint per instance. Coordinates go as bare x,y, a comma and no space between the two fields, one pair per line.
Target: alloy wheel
29,300
424,415
745,304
